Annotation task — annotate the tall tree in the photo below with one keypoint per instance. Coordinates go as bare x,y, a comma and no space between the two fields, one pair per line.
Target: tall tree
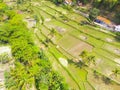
87,58
116,72
94,12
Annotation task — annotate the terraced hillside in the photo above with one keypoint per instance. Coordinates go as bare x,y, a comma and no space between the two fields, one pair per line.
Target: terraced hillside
58,32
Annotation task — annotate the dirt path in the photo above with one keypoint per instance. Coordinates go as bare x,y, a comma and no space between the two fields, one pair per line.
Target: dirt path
4,67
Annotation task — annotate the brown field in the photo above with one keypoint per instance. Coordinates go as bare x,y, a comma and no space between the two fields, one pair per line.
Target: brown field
73,45
78,48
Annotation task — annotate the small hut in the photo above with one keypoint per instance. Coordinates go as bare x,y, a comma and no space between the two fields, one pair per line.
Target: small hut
103,21
69,2
117,28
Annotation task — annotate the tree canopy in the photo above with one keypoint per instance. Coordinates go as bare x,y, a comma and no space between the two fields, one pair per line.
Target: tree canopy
32,68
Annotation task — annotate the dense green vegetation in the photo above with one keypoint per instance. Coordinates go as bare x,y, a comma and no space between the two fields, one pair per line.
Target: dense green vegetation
95,36
93,14
61,43
105,6
32,68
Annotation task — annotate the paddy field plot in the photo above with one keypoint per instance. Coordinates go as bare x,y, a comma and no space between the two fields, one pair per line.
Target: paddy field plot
71,40
73,45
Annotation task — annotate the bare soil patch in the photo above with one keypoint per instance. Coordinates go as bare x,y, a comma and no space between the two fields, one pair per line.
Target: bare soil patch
60,29
109,40
77,49
30,22
63,61
83,37
5,49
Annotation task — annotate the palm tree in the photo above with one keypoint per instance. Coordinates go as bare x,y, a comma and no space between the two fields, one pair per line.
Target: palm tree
96,74
42,19
84,54
86,58
116,71
19,78
91,59
18,2
4,58
52,32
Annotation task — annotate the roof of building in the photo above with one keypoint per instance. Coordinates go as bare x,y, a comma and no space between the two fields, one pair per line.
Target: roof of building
104,20
5,49
69,1
117,28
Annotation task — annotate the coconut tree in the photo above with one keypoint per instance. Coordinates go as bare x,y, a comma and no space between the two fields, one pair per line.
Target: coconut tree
94,12
4,58
91,59
96,74
25,79
18,2
116,72
87,58
42,19
106,80
57,1
22,77
52,32
83,55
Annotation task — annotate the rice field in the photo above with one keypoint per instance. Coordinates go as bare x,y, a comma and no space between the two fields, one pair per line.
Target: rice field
70,40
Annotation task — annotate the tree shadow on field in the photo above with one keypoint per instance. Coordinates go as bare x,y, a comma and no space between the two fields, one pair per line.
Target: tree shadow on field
77,64
106,80
117,38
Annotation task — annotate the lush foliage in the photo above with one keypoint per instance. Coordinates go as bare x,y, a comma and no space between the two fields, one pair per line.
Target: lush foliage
4,58
87,58
93,14
32,68
57,1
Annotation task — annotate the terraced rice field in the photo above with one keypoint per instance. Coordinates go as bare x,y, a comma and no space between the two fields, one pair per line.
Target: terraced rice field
70,40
